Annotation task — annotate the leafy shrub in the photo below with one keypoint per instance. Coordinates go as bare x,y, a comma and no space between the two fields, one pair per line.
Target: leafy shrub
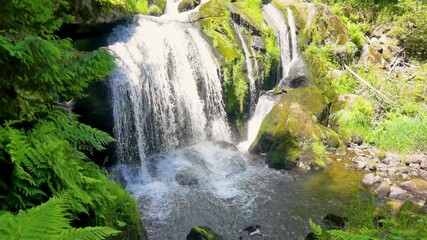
356,35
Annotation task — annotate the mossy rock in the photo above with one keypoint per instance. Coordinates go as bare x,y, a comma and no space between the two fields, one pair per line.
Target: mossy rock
154,10
203,233
186,5
291,133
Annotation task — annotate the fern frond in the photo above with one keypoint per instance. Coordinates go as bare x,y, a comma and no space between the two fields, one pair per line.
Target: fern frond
88,233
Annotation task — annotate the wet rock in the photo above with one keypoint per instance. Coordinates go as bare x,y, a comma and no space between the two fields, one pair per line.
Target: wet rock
311,236
258,43
226,145
186,177
186,5
383,190
203,233
368,179
397,192
333,221
418,186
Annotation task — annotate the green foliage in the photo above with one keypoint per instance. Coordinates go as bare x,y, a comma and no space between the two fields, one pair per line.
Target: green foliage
355,118
130,6
356,35
319,151
252,9
367,222
44,150
344,84
402,133
317,230
47,221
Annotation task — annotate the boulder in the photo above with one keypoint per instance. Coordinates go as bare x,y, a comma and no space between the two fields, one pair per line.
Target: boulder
186,177
415,158
154,10
418,186
291,132
383,190
203,233
368,179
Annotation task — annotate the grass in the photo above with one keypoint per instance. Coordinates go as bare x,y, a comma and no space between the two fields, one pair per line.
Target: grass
365,221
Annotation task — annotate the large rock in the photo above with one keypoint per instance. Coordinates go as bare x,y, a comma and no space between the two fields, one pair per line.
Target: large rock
417,186
291,131
203,233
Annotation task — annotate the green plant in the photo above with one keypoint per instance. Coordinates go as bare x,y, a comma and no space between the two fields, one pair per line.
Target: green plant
355,118
402,133
48,221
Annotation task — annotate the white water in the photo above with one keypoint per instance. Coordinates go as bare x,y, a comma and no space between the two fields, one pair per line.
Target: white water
252,87
286,40
264,106
166,91
292,26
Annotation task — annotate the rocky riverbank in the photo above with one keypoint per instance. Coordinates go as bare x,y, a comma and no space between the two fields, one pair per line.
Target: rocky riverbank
394,178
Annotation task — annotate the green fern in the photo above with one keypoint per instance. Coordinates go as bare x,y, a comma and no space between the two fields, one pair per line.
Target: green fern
365,234
317,230
47,221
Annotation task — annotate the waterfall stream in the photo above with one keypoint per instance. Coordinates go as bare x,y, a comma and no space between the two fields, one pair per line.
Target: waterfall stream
286,36
173,138
166,91
250,69
263,107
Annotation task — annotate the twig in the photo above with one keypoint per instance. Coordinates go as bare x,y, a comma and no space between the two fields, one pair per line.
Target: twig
369,85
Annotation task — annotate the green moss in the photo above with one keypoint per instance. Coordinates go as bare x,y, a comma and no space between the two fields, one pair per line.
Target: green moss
121,212
154,10
291,131
202,232
186,5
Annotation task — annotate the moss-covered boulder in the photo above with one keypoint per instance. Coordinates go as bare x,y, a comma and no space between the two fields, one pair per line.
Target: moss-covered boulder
186,5
203,233
154,10
291,133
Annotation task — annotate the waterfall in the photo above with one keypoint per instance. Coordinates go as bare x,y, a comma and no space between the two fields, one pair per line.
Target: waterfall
252,87
287,42
291,22
264,106
165,90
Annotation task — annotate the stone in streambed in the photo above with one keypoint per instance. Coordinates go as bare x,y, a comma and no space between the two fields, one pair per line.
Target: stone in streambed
203,233
383,190
397,192
186,177
333,221
418,186
369,179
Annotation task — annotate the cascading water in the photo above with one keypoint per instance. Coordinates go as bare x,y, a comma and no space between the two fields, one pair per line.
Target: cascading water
263,107
293,28
166,94
166,91
286,39
250,70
